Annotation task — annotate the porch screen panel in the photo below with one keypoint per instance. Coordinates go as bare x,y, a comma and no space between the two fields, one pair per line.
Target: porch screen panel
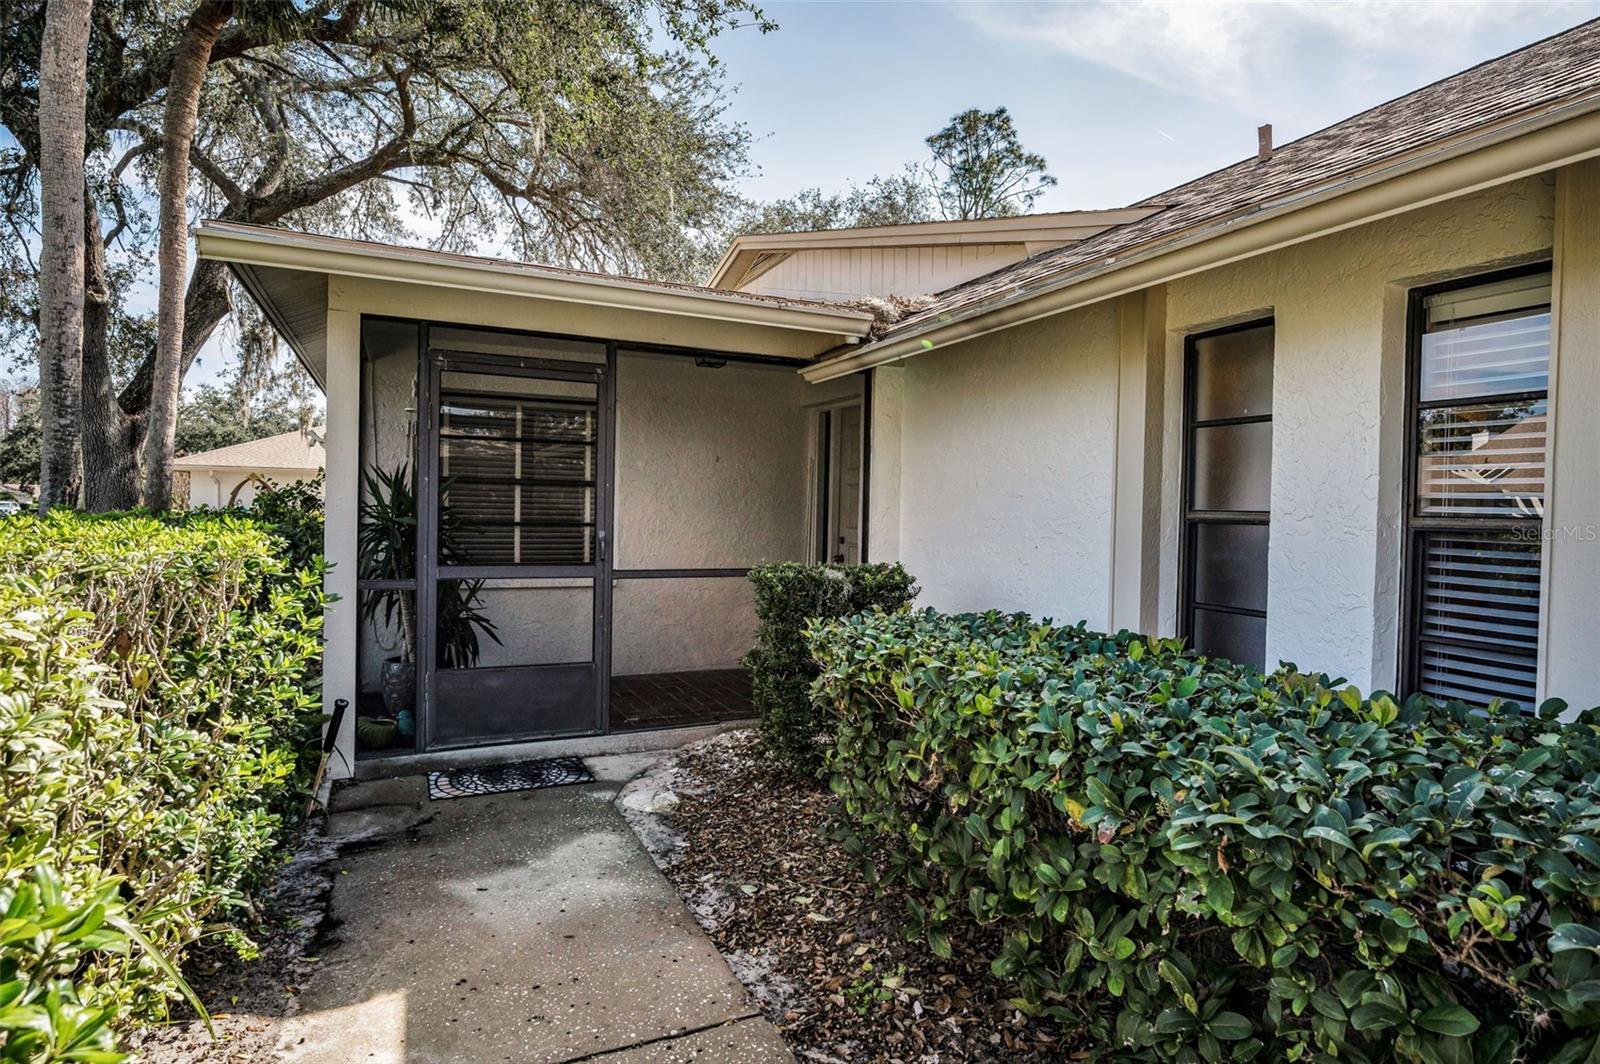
518,473
710,463
1228,491
1478,445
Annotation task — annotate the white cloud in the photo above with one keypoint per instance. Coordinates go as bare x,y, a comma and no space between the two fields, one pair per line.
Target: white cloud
1298,62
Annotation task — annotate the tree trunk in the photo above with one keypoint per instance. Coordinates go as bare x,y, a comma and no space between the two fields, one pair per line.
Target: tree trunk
63,87
111,439
172,256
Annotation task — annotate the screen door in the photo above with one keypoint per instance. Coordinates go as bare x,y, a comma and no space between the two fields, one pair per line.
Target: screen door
514,509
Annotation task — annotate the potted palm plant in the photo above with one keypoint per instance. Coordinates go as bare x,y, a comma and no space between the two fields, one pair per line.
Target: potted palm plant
387,544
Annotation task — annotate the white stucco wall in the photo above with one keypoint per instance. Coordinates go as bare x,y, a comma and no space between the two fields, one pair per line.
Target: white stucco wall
216,487
710,473
681,624
1339,304
710,464
1006,469
995,461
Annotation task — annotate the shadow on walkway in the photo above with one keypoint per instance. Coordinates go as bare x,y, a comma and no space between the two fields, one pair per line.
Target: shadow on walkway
513,928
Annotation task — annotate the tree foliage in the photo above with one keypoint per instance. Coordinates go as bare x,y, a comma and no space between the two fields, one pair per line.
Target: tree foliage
584,132
981,170
898,199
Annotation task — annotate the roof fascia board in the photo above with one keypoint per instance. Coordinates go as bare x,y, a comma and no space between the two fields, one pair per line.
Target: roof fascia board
413,267
760,262
1551,139
1051,230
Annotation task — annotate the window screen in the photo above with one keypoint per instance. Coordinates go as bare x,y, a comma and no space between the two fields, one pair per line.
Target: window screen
1478,445
517,464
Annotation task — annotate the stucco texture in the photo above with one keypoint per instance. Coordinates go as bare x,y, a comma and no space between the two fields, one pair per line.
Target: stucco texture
1339,304
710,464
1007,466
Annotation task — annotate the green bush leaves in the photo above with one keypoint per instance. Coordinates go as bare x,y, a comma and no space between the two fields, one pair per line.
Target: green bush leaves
1194,861
789,596
158,689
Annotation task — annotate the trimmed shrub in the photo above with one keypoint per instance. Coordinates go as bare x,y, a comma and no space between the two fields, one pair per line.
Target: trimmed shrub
158,706
1193,861
294,513
789,595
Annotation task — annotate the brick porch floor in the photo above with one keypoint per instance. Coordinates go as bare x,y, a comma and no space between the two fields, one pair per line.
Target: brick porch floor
675,699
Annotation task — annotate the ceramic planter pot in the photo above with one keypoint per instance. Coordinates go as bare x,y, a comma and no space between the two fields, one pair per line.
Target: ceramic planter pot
374,733
399,686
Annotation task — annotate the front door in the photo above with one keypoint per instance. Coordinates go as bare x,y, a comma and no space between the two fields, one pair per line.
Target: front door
515,503
837,462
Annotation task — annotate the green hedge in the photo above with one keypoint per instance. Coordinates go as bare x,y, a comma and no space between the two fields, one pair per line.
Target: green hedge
789,595
158,695
1190,860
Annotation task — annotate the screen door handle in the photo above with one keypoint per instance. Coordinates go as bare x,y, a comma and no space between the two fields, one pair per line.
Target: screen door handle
601,538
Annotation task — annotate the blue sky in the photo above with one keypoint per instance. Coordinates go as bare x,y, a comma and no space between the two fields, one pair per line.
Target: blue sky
1122,99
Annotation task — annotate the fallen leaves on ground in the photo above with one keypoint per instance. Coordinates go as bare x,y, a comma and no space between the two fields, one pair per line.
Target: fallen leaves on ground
828,960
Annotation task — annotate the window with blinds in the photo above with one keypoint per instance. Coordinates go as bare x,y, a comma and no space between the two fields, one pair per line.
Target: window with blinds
517,472
1479,401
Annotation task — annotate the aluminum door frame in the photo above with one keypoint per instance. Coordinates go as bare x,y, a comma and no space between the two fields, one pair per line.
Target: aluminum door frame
429,572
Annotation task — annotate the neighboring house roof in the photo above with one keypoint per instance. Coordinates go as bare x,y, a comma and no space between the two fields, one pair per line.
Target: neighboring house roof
287,450
1557,78
752,254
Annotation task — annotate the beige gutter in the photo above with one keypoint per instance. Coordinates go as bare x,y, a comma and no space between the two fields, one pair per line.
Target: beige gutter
261,246
1552,138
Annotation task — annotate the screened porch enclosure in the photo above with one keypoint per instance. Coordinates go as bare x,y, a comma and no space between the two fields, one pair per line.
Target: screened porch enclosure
582,515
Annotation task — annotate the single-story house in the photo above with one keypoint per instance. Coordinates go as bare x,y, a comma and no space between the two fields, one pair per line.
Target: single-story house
1337,404
229,476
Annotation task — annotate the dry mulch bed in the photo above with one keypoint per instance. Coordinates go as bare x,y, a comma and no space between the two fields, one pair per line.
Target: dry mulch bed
829,961
248,996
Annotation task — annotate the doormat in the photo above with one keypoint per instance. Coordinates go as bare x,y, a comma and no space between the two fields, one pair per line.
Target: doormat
502,779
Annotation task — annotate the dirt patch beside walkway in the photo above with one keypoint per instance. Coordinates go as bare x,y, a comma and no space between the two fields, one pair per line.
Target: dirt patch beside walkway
743,840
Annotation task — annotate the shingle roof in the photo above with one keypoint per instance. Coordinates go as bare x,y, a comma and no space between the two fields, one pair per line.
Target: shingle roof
1547,72
287,450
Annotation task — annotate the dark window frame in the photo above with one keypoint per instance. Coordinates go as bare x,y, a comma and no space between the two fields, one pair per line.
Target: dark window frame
1416,527
1190,518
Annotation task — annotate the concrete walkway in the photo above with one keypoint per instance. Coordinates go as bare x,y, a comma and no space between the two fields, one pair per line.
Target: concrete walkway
517,928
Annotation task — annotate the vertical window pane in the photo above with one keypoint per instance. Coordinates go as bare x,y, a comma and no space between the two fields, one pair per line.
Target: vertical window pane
1479,453
1476,676
1230,565
1233,374
1490,358
1482,460
1233,467
1234,636
517,465
1481,588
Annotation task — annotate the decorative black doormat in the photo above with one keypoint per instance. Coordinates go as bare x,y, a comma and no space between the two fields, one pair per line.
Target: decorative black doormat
500,779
